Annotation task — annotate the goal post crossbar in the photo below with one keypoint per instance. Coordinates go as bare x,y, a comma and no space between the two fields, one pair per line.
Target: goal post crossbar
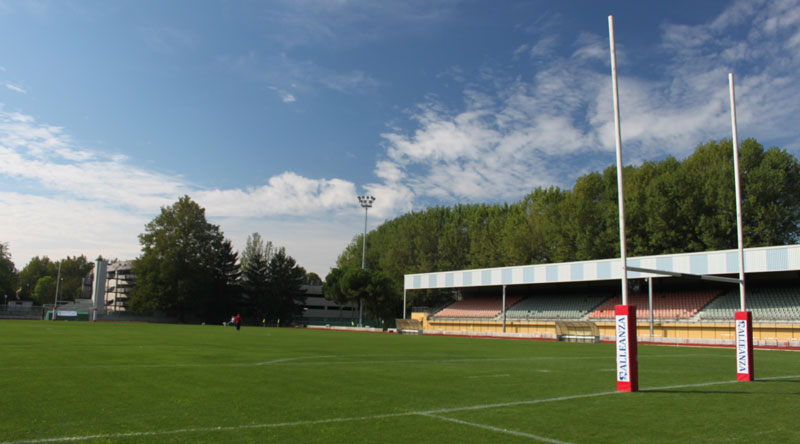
704,277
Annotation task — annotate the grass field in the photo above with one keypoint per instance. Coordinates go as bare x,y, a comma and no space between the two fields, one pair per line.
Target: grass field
134,383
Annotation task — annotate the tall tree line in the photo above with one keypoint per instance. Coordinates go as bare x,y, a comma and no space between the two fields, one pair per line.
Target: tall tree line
672,206
37,280
188,269
8,274
271,282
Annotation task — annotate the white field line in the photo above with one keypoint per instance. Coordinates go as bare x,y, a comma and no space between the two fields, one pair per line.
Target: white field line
504,375
498,429
434,412
294,361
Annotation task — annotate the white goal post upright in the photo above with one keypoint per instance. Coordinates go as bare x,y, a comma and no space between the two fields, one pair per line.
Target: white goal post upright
743,318
625,315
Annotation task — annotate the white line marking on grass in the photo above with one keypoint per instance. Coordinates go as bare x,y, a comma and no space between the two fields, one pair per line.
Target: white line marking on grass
282,360
371,417
488,376
705,384
509,404
498,429
293,361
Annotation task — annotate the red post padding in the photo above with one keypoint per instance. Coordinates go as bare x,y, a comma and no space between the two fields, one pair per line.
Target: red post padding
627,359
744,346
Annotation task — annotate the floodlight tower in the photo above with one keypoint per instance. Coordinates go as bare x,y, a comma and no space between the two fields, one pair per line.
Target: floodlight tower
366,202
55,304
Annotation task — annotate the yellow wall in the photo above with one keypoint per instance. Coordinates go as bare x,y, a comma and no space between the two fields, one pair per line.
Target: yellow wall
719,330
678,330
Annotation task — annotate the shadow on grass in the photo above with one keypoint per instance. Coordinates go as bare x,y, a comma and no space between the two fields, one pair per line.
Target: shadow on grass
701,392
768,381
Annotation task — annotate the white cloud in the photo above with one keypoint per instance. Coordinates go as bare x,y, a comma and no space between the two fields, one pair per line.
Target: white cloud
288,76
287,194
44,155
15,88
557,125
591,47
83,202
509,136
60,226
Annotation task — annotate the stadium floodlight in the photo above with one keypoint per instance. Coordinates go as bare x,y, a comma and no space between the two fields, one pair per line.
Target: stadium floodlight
366,202
55,304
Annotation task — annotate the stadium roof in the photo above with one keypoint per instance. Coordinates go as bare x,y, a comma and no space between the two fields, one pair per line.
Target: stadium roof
756,260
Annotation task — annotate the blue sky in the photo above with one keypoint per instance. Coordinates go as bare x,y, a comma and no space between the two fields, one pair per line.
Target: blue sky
275,115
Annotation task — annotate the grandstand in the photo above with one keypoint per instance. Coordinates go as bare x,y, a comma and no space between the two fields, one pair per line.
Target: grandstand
555,306
684,308
666,305
477,307
766,303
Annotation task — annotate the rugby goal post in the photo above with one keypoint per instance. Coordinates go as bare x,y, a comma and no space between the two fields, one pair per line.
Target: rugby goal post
625,315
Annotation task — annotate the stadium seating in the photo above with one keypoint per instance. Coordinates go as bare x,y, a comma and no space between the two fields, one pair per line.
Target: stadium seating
767,304
666,305
555,306
480,307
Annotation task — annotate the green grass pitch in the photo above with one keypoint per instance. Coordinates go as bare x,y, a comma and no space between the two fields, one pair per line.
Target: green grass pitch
142,383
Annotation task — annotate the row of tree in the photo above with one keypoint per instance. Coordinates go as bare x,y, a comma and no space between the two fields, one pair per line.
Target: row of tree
672,206
189,270
37,280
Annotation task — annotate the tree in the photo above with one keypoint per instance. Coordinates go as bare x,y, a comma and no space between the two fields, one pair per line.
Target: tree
285,291
227,291
372,287
44,292
73,271
256,247
8,273
180,269
255,278
35,269
672,206
312,279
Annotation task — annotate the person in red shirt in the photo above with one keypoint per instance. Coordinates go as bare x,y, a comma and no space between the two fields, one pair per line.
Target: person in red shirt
238,321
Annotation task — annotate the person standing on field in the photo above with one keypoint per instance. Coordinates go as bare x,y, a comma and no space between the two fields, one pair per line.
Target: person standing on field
238,321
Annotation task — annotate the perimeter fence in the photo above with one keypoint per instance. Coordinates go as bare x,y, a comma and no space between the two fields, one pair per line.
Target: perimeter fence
26,312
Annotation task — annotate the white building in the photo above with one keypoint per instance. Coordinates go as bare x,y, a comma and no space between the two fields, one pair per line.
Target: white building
119,282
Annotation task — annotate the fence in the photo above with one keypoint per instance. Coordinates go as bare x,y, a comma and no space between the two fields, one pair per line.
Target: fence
12,312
